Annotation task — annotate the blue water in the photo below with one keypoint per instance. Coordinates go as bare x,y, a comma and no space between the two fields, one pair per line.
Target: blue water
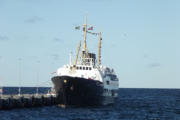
132,104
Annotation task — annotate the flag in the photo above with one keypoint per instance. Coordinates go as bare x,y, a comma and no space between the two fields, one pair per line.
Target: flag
91,28
77,27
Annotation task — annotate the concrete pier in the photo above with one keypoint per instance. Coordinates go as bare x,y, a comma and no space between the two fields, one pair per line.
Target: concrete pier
26,101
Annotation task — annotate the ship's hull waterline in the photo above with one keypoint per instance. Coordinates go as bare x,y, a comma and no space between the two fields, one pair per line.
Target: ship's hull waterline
79,91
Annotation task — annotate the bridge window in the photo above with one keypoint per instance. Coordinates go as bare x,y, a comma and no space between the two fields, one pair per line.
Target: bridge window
77,68
80,68
83,68
90,68
86,68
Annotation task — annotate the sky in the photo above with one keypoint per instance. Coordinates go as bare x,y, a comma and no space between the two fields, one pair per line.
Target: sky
141,39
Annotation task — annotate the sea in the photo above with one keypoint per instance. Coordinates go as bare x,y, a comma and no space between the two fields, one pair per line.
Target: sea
132,104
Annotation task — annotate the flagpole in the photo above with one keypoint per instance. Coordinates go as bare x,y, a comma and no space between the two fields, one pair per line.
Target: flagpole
19,77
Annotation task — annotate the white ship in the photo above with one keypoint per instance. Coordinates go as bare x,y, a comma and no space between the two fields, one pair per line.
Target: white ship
86,82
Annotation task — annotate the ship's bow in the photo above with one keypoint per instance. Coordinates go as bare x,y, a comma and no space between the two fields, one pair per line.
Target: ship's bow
77,91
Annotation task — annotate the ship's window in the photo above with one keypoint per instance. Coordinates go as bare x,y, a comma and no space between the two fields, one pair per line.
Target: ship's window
83,68
77,68
90,68
107,82
113,77
80,68
86,68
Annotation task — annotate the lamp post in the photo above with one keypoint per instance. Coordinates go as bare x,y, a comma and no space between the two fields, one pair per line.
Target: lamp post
38,69
19,77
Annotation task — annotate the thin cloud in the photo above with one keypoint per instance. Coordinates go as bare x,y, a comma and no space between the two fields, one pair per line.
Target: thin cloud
4,38
153,65
33,20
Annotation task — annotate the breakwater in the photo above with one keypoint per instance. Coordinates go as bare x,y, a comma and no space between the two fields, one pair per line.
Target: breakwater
26,101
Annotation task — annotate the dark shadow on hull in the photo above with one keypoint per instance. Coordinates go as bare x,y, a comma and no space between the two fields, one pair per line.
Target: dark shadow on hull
76,91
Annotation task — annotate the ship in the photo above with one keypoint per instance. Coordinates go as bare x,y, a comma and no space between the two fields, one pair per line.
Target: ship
86,82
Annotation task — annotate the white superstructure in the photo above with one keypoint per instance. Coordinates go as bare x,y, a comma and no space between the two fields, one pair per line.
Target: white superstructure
103,74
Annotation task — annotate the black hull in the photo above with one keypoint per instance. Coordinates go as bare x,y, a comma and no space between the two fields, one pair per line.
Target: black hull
78,91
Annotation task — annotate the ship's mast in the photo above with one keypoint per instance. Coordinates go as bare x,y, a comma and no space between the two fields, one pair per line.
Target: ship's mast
84,51
77,54
99,50
85,35
84,56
